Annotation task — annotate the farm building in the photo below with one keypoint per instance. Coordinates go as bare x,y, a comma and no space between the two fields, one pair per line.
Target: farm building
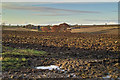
63,27
30,26
56,28
45,29
60,28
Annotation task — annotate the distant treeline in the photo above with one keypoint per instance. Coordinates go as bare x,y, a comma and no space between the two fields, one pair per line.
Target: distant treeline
64,27
55,28
11,25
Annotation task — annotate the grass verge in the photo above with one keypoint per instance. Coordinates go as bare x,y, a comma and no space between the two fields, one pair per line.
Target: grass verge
13,58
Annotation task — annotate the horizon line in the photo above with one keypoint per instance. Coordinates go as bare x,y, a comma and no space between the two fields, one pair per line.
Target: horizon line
61,23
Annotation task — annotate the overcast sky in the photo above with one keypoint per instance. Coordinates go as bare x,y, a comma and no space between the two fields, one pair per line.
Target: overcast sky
54,13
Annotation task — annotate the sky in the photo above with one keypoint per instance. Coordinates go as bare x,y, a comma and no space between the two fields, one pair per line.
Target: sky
48,13
59,0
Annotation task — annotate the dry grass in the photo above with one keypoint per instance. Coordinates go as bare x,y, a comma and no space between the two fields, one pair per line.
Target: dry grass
19,29
1,58
101,30
95,29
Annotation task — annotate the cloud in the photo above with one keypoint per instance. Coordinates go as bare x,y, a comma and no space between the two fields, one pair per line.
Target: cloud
101,20
112,23
115,11
55,14
56,22
60,0
44,9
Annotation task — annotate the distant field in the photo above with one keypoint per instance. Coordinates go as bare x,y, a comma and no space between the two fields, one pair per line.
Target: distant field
113,30
18,29
99,30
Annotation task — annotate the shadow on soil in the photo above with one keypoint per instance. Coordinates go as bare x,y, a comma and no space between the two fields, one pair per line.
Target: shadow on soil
66,52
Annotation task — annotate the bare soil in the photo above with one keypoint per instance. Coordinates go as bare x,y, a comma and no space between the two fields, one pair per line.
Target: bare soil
84,55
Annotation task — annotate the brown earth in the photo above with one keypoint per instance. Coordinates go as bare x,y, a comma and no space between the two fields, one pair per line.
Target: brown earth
84,55
101,30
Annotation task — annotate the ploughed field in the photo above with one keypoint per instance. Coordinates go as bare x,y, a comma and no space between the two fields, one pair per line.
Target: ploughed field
78,55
